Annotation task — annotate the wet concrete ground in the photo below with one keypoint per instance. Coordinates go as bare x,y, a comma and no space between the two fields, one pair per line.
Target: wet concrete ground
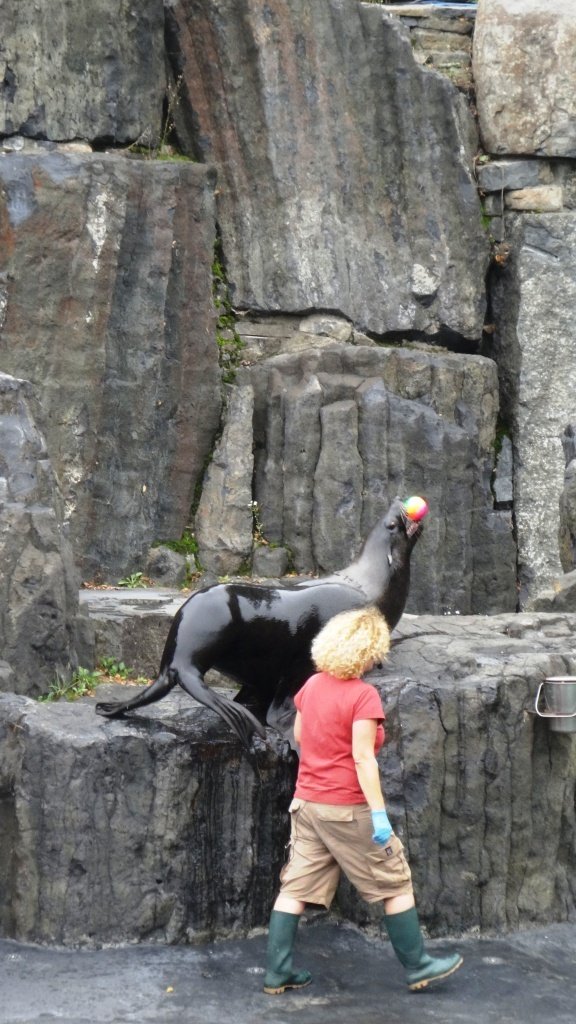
528,978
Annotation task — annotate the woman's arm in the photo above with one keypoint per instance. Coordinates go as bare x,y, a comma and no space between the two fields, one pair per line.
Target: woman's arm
298,727
363,740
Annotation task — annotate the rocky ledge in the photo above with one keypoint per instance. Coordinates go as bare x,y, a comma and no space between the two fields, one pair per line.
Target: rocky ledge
159,828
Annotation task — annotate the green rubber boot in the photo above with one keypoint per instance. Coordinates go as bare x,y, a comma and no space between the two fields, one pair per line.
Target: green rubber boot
279,974
408,944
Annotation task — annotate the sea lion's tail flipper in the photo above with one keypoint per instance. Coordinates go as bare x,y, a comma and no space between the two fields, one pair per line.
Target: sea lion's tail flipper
242,721
159,688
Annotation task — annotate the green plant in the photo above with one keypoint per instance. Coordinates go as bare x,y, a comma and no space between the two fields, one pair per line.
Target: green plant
187,545
502,431
257,529
117,672
82,683
136,579
111,667
166,148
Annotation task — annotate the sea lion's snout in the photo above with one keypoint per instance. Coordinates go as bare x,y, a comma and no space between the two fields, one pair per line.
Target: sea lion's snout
410,516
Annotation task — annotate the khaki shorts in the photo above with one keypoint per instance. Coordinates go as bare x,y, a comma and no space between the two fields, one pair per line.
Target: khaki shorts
327,838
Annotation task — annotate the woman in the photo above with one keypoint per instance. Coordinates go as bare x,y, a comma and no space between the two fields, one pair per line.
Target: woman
338,815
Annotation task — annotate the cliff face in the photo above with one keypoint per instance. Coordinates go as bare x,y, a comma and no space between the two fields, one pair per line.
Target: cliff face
341,175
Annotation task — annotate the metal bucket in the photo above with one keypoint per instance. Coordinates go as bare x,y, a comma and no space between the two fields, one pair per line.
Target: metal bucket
559,694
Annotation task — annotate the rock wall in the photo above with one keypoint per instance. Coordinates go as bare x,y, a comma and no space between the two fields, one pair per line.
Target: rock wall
158,831
130,251
519,44
537,392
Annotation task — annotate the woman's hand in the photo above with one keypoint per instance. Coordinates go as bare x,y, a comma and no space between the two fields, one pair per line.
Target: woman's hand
382,828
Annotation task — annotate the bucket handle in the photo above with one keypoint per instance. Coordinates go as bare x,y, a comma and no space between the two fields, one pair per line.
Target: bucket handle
549,714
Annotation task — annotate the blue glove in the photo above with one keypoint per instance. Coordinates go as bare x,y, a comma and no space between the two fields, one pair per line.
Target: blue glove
382,828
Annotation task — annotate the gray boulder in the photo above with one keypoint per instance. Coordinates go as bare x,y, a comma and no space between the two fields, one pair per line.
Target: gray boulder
38,583
165,567
129,625
269,561
105,292
503,175
83,71
523,65
344,167
560,597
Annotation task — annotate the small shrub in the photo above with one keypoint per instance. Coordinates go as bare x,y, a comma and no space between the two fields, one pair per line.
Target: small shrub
187,545
84,680
82,684
136,579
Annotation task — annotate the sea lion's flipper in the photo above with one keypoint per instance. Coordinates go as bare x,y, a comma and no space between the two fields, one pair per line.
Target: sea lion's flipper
159,688
281,715
237,717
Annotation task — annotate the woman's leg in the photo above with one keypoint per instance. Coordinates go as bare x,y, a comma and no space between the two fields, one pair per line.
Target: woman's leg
403,927
280,973
288,905
314,877
397,904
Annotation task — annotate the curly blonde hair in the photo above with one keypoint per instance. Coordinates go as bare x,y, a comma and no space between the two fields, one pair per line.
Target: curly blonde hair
351,643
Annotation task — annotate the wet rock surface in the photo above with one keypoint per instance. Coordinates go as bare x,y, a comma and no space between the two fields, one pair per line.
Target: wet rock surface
152,828
522,979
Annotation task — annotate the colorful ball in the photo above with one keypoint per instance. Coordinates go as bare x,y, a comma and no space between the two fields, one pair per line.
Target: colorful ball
415,508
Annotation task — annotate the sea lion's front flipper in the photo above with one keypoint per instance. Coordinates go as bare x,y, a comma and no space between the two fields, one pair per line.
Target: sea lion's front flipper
238,717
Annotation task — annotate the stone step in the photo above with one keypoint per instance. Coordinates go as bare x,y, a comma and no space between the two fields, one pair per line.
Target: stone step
129,625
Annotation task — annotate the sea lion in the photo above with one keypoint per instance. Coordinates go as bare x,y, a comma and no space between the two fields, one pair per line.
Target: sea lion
260,635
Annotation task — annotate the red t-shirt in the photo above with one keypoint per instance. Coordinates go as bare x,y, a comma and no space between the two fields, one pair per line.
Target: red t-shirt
329,706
